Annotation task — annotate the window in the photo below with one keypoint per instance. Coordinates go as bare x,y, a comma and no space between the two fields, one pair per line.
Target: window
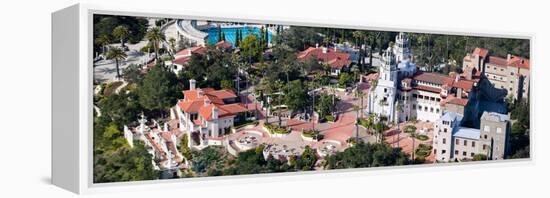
414,106
457,141
511,73
484,147
437,110
443,151
438,99
487,128
456,152
425,108
465,142
444,141
472,154
499,130
431,109
464,153
445,130
385,90
485,136
473,144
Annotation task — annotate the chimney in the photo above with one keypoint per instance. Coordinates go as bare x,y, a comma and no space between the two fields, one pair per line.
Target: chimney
457,77
324,50
508,57
459,93
200,93
468,72
215,112
192,84
316,45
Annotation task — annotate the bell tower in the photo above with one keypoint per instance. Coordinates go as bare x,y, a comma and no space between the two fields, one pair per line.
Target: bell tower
402,48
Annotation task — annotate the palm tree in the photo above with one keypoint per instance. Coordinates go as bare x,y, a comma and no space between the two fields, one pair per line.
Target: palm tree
379,130
355,71
356,109
172,42
155,37
103,41
121,32
411,130
287,68
116,54
359,93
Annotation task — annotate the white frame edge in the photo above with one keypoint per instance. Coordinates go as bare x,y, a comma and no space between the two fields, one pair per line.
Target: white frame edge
72,162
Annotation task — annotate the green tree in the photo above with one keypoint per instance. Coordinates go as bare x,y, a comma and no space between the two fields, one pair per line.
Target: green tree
307,160
158,90
184,147
295,96
132,73
155,37
345,79
116,54
124,164
121,32
103,41
479,157
250,47
367,155
120,108
411,130
227,84
325,105
299,38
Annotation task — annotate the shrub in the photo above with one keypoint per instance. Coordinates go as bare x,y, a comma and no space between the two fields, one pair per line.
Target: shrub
330,118
422,137
276,129
246,123
423,150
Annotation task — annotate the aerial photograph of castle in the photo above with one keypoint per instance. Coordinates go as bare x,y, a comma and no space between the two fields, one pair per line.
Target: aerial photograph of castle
182,98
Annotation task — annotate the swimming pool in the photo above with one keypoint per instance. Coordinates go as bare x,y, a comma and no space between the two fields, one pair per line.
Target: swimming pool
230,33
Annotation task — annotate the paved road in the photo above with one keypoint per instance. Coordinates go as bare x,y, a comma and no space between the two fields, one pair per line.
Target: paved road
105,70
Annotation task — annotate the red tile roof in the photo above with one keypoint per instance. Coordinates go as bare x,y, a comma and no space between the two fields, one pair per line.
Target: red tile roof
427,88
334,58
515,61
192,106
430,77
497,61
224,44
222,94
481,52
182,60
192,50
202,101
520,62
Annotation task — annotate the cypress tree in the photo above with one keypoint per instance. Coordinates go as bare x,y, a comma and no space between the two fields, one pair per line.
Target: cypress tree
223,36
219,33
237,38
266,38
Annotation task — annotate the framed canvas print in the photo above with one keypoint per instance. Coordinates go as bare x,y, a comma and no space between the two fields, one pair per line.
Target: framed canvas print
146,98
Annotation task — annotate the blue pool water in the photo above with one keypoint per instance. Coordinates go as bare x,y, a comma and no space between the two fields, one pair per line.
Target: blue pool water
230,33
